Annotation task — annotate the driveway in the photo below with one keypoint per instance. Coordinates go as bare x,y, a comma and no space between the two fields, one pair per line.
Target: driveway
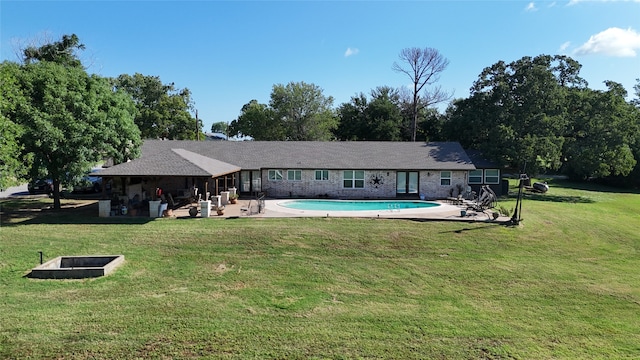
14,191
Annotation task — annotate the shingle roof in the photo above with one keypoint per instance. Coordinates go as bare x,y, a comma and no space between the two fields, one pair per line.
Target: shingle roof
479,160
164,157
171,163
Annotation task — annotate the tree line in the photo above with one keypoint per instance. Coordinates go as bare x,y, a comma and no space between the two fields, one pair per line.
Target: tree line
535,113
56,120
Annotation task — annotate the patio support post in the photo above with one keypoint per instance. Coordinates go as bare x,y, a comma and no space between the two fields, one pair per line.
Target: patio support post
103,194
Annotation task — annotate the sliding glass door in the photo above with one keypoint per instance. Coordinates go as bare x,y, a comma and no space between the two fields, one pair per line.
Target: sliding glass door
406,182
250,181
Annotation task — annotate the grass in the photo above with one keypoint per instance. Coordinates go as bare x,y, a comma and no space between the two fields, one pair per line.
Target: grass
564,285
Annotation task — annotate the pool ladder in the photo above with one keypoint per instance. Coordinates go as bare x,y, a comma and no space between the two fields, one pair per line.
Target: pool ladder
259,203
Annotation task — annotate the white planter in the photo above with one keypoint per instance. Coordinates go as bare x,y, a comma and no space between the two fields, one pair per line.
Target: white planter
224,197
205,208
154,208
104,208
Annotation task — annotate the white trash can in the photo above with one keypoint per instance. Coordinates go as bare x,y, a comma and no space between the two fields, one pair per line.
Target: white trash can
224,197
205,208
104,208
154,208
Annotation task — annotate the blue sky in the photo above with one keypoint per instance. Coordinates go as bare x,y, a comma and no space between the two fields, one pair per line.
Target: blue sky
228,53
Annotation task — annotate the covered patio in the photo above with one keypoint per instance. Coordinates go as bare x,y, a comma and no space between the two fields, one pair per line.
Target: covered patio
177,178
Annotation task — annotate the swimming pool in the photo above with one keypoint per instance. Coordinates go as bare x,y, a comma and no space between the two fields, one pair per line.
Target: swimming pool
356,205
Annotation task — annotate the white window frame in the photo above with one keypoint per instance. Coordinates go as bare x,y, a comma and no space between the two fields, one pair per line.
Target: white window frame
496,176
275,175
294,175
479,177
355,181
445,180
322,176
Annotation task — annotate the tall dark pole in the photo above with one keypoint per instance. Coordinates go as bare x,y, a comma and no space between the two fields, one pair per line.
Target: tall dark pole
515,219
517,213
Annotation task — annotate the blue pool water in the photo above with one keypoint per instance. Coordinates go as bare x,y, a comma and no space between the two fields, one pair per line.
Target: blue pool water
356,205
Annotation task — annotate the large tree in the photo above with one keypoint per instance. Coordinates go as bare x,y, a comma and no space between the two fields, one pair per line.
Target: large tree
352,123
163,111
636,90
303,109
62,52
258,122
539,112
297,111
14,163
516,113
220,127
423,67
602,133
72,120
377,119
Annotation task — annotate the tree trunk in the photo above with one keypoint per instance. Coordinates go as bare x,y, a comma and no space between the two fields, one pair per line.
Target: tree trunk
56,194
415,111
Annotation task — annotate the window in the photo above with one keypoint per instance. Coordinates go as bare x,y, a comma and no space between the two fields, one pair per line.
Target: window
445,178
475,176
353,179
322,175
492,176
294,175
275,175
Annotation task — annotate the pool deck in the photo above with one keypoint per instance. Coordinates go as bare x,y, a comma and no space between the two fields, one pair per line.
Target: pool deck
445,212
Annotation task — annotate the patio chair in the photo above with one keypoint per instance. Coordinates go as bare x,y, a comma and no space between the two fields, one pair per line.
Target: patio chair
486,199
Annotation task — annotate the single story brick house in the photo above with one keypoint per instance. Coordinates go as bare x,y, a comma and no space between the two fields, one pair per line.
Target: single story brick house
311,169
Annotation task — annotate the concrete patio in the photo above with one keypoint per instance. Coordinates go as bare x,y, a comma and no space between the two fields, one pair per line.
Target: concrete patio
249,208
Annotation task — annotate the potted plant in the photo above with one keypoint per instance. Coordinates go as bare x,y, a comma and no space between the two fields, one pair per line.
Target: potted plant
219,210
233,198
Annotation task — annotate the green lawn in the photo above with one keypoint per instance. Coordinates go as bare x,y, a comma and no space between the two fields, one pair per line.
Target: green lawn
564,284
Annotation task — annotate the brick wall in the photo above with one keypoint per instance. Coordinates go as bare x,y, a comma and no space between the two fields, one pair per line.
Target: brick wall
431,187
377,184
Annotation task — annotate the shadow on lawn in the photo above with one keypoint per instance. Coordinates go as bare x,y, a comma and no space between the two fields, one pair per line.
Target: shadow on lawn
27,212
550,197
555,198
589,186
460,231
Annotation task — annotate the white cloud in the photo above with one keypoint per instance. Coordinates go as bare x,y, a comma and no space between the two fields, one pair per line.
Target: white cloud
351,51
612,42
531,7
565,46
